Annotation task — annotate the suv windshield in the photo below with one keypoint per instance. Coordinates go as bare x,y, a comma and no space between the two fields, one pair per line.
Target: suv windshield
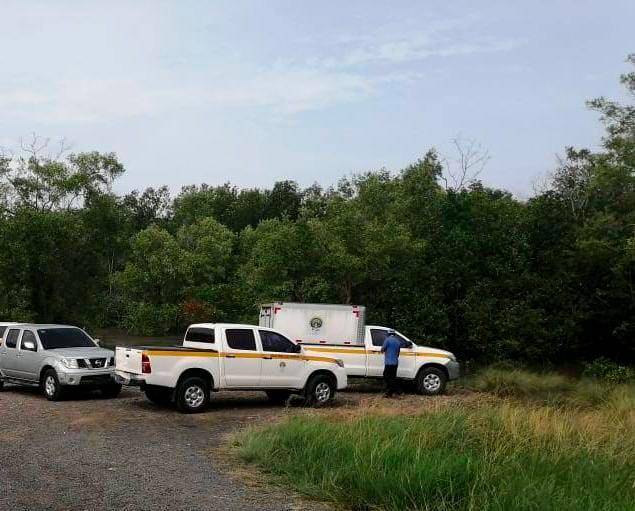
54,338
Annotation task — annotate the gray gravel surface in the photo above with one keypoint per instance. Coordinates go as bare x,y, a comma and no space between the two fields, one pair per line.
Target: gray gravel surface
87,453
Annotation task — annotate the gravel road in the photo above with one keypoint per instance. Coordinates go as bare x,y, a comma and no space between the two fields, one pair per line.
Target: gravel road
87,453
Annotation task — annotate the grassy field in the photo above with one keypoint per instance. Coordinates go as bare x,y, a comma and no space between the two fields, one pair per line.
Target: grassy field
527,441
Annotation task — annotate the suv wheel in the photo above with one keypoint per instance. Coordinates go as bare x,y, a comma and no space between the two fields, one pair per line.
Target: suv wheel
192,395
320,390
431,381
51,386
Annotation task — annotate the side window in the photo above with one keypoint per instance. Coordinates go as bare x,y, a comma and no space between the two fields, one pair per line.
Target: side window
272,341
404,343
11,340
241,339
26,337
378,336
200,335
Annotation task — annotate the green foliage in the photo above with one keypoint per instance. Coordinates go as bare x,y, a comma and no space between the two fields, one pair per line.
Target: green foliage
490,456
607,370
467,268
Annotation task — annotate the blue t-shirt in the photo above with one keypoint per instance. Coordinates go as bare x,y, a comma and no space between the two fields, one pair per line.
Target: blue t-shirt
391,349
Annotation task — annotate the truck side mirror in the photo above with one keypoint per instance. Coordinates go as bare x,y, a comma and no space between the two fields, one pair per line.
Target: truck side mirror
298,348
97,342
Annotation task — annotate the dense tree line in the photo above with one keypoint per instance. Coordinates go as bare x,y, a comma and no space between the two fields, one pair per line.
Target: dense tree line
462,266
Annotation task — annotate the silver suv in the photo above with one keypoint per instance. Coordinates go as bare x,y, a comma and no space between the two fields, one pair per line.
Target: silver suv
56,357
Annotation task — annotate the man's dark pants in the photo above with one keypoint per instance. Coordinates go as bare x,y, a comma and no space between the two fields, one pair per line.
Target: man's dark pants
390,377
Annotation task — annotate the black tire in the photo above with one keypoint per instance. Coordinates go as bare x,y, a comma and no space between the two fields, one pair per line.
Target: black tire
320,390
51,387
278,397
158,395
110,391
431,381
192,395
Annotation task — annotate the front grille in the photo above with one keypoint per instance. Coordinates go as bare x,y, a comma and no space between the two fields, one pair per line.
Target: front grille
97,363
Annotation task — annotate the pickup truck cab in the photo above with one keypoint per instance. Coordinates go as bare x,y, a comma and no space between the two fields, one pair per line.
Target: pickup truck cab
56,357
429,368
229,356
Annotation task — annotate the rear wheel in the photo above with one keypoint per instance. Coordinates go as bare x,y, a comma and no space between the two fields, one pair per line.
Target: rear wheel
110,391
320,390
192,395
278,397
431,381
158,395
51,386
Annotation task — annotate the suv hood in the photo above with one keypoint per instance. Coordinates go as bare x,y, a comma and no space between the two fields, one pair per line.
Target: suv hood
82,352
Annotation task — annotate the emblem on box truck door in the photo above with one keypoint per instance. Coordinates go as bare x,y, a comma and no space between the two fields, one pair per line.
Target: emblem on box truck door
316,323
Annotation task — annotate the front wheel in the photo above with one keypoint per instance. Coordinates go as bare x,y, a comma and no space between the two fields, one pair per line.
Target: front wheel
51,386
320,390
192,395
431,381
110,391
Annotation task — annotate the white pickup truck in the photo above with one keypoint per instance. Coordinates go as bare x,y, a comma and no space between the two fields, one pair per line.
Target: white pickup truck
340,331
229,357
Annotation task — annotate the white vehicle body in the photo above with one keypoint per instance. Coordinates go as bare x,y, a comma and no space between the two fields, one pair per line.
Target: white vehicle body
334,330
229,357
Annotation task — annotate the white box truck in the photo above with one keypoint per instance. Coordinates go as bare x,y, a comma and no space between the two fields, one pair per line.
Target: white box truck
341,331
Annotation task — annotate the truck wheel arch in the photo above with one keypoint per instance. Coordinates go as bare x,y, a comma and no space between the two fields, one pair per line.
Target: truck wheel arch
324,372
45,368
432,364
201,373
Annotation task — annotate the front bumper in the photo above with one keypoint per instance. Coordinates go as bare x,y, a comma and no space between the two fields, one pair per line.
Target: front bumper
84,377
454,369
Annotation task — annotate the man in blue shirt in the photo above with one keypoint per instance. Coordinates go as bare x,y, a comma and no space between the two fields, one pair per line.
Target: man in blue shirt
391,349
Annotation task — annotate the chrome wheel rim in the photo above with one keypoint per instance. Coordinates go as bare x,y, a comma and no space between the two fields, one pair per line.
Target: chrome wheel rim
431,382
194,396
49,385
322,392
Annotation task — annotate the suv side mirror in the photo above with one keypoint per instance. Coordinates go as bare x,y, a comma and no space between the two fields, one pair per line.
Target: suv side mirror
97,342
29,346
298,348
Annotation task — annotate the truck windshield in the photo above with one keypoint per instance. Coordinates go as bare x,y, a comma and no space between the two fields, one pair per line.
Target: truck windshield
55,338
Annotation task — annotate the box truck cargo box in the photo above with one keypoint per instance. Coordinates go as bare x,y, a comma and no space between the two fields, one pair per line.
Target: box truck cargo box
312,323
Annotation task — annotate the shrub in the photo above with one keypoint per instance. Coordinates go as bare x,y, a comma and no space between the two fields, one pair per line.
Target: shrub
149,319
609,371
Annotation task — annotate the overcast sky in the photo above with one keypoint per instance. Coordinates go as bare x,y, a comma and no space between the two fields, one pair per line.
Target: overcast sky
256,91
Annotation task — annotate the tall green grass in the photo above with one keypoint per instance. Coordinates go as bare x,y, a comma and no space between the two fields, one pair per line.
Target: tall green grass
505,456
546,388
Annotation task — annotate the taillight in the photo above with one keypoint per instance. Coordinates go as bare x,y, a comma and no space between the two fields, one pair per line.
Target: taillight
146,368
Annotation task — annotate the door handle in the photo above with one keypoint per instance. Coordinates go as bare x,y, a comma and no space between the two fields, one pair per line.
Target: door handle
230,356
268,358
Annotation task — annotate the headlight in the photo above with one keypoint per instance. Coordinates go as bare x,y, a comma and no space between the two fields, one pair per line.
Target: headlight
339,362
71,363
